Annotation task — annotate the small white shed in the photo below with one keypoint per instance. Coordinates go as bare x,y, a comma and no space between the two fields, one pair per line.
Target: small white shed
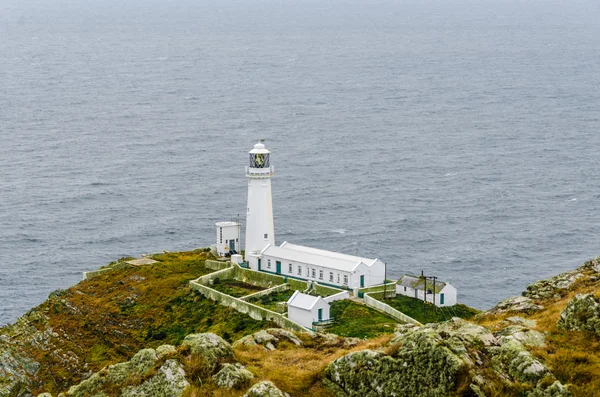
307,309
416,287
228,238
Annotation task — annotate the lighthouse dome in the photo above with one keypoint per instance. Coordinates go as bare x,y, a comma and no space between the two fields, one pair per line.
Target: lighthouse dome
260,148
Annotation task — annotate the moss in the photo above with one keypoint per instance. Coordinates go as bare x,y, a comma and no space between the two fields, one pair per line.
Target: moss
430,314
355,320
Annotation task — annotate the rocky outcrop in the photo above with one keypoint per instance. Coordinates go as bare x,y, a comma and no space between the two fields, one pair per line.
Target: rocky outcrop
269,339
517,304
233,376
581,314
554,287
265,389
169,381
437,360
214,349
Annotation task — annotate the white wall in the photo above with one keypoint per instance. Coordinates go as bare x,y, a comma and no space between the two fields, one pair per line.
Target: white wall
229,233
306,271
307,317
449,292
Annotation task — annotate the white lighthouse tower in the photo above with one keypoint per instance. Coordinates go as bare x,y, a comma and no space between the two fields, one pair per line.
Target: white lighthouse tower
259,214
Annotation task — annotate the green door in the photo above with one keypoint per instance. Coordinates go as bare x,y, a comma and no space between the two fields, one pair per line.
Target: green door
278,267
441,299
232,245
362,281
320,315
259,264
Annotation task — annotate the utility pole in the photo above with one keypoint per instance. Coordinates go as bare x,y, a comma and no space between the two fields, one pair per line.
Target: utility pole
425,279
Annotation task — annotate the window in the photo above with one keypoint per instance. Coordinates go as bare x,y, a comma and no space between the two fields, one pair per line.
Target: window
404,289
338,278
320,274
345,279
268,263
226,241
314,273
290,268
331,276
221,235
299,270
237,240
266,235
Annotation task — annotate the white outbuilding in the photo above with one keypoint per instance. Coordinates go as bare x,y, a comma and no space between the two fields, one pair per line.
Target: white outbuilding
325,267
418,287
228,237
307,309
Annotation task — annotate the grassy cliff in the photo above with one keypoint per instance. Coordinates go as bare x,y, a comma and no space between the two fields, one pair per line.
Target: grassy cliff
544,343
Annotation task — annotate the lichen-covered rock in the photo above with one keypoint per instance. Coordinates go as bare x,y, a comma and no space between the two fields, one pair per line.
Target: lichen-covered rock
169,381
211,347
525,336
582,313
269,338
556,389
519,304
233,376
265,389
520,321
430,362
513,358
140,365
45,395
165,351
554,287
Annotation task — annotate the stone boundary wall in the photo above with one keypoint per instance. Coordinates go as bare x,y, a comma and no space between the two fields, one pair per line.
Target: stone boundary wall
337,297
224,274
93,273
216,265
282,287
324,290
254,311
387,309
390,292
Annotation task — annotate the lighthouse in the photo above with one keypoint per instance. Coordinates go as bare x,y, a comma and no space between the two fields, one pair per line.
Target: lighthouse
259,213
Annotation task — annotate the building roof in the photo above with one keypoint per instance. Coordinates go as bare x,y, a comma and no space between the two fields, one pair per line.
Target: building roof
418,283
317,257
303,301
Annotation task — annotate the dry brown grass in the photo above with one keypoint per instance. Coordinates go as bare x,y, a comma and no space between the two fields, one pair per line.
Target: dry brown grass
297,370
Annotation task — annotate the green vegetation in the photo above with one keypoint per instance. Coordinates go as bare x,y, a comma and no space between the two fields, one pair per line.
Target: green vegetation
356,320
415,308
117,313
235,288
270,301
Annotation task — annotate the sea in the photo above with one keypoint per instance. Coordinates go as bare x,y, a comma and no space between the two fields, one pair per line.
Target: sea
460,138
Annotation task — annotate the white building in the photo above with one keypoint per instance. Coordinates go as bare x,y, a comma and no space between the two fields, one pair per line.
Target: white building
228,237
297,261
307,309
324,267
417,287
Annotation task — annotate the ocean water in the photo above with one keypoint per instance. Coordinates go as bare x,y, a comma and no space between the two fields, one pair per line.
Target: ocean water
460,137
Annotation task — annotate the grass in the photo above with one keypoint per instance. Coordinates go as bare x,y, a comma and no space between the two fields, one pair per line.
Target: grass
109,317
414,308
356,320
270,301
235,288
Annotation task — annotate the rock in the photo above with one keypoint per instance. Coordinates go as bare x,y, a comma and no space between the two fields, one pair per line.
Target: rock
211,347
430,362
521,321
512,358
269,338
45,395
265,389
233,376
582,313
556,389
523,335
169,381
165,351
140,365
521,304
554,287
